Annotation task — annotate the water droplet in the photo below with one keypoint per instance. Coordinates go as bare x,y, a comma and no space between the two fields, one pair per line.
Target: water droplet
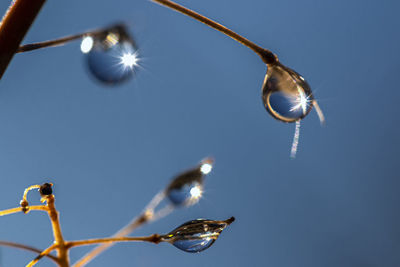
187,188
286,95
197,235
111,55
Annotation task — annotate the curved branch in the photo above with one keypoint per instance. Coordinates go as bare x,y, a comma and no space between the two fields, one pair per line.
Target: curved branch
267,56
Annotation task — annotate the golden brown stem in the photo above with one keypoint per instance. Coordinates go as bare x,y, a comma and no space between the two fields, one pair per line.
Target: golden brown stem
15,24
26,191
20,209
28,248
62,250
267,56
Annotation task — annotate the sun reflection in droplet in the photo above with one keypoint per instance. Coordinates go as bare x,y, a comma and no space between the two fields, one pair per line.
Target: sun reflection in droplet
129,60
301,101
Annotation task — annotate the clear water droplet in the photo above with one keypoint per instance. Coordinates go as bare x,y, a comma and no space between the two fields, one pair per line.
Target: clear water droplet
187,188
286,95
111,55
197,235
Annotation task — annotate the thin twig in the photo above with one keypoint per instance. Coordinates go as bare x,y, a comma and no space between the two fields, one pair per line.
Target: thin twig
267,56
152,239
28,248
20,209
66,39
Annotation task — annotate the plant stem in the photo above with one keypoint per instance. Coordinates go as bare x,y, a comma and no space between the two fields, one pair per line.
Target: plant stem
62,250
26,191
267,56
152,239
51,43
64,40
15,24
28,248
59,41
20,209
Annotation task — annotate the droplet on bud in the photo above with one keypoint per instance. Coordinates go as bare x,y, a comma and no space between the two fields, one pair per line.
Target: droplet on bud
111,55
197,235
187,188
286,95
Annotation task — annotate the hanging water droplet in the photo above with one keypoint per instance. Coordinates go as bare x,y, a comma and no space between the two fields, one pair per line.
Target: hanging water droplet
187,188
111,55
197,235
286,95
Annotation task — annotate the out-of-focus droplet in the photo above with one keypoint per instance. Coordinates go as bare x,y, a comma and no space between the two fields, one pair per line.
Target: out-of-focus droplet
197,235
111,55
286,95
187,188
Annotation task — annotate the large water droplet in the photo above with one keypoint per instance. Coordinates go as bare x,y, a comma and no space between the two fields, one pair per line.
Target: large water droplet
187,188
111,55
197,235
286,95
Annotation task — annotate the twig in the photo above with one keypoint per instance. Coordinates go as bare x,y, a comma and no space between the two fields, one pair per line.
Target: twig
152,239
41,255
28,248
21,209
267,56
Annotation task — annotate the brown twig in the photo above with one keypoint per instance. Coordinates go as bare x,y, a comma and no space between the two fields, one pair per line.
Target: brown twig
152,239
267,56
15,24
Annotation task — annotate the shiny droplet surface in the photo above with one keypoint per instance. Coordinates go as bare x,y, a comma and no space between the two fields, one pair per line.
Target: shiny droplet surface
197,235
111,56
286,95
187,188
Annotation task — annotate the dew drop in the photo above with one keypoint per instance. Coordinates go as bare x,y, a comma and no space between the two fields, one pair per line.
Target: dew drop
111,56
187,188
286,95
197,235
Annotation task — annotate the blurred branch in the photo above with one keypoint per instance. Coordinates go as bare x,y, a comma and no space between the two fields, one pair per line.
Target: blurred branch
15,24
25,247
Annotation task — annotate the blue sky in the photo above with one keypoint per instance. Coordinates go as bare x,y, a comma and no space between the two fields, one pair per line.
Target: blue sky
198,93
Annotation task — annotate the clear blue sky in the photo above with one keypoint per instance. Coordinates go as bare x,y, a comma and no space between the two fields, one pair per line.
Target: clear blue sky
109,150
